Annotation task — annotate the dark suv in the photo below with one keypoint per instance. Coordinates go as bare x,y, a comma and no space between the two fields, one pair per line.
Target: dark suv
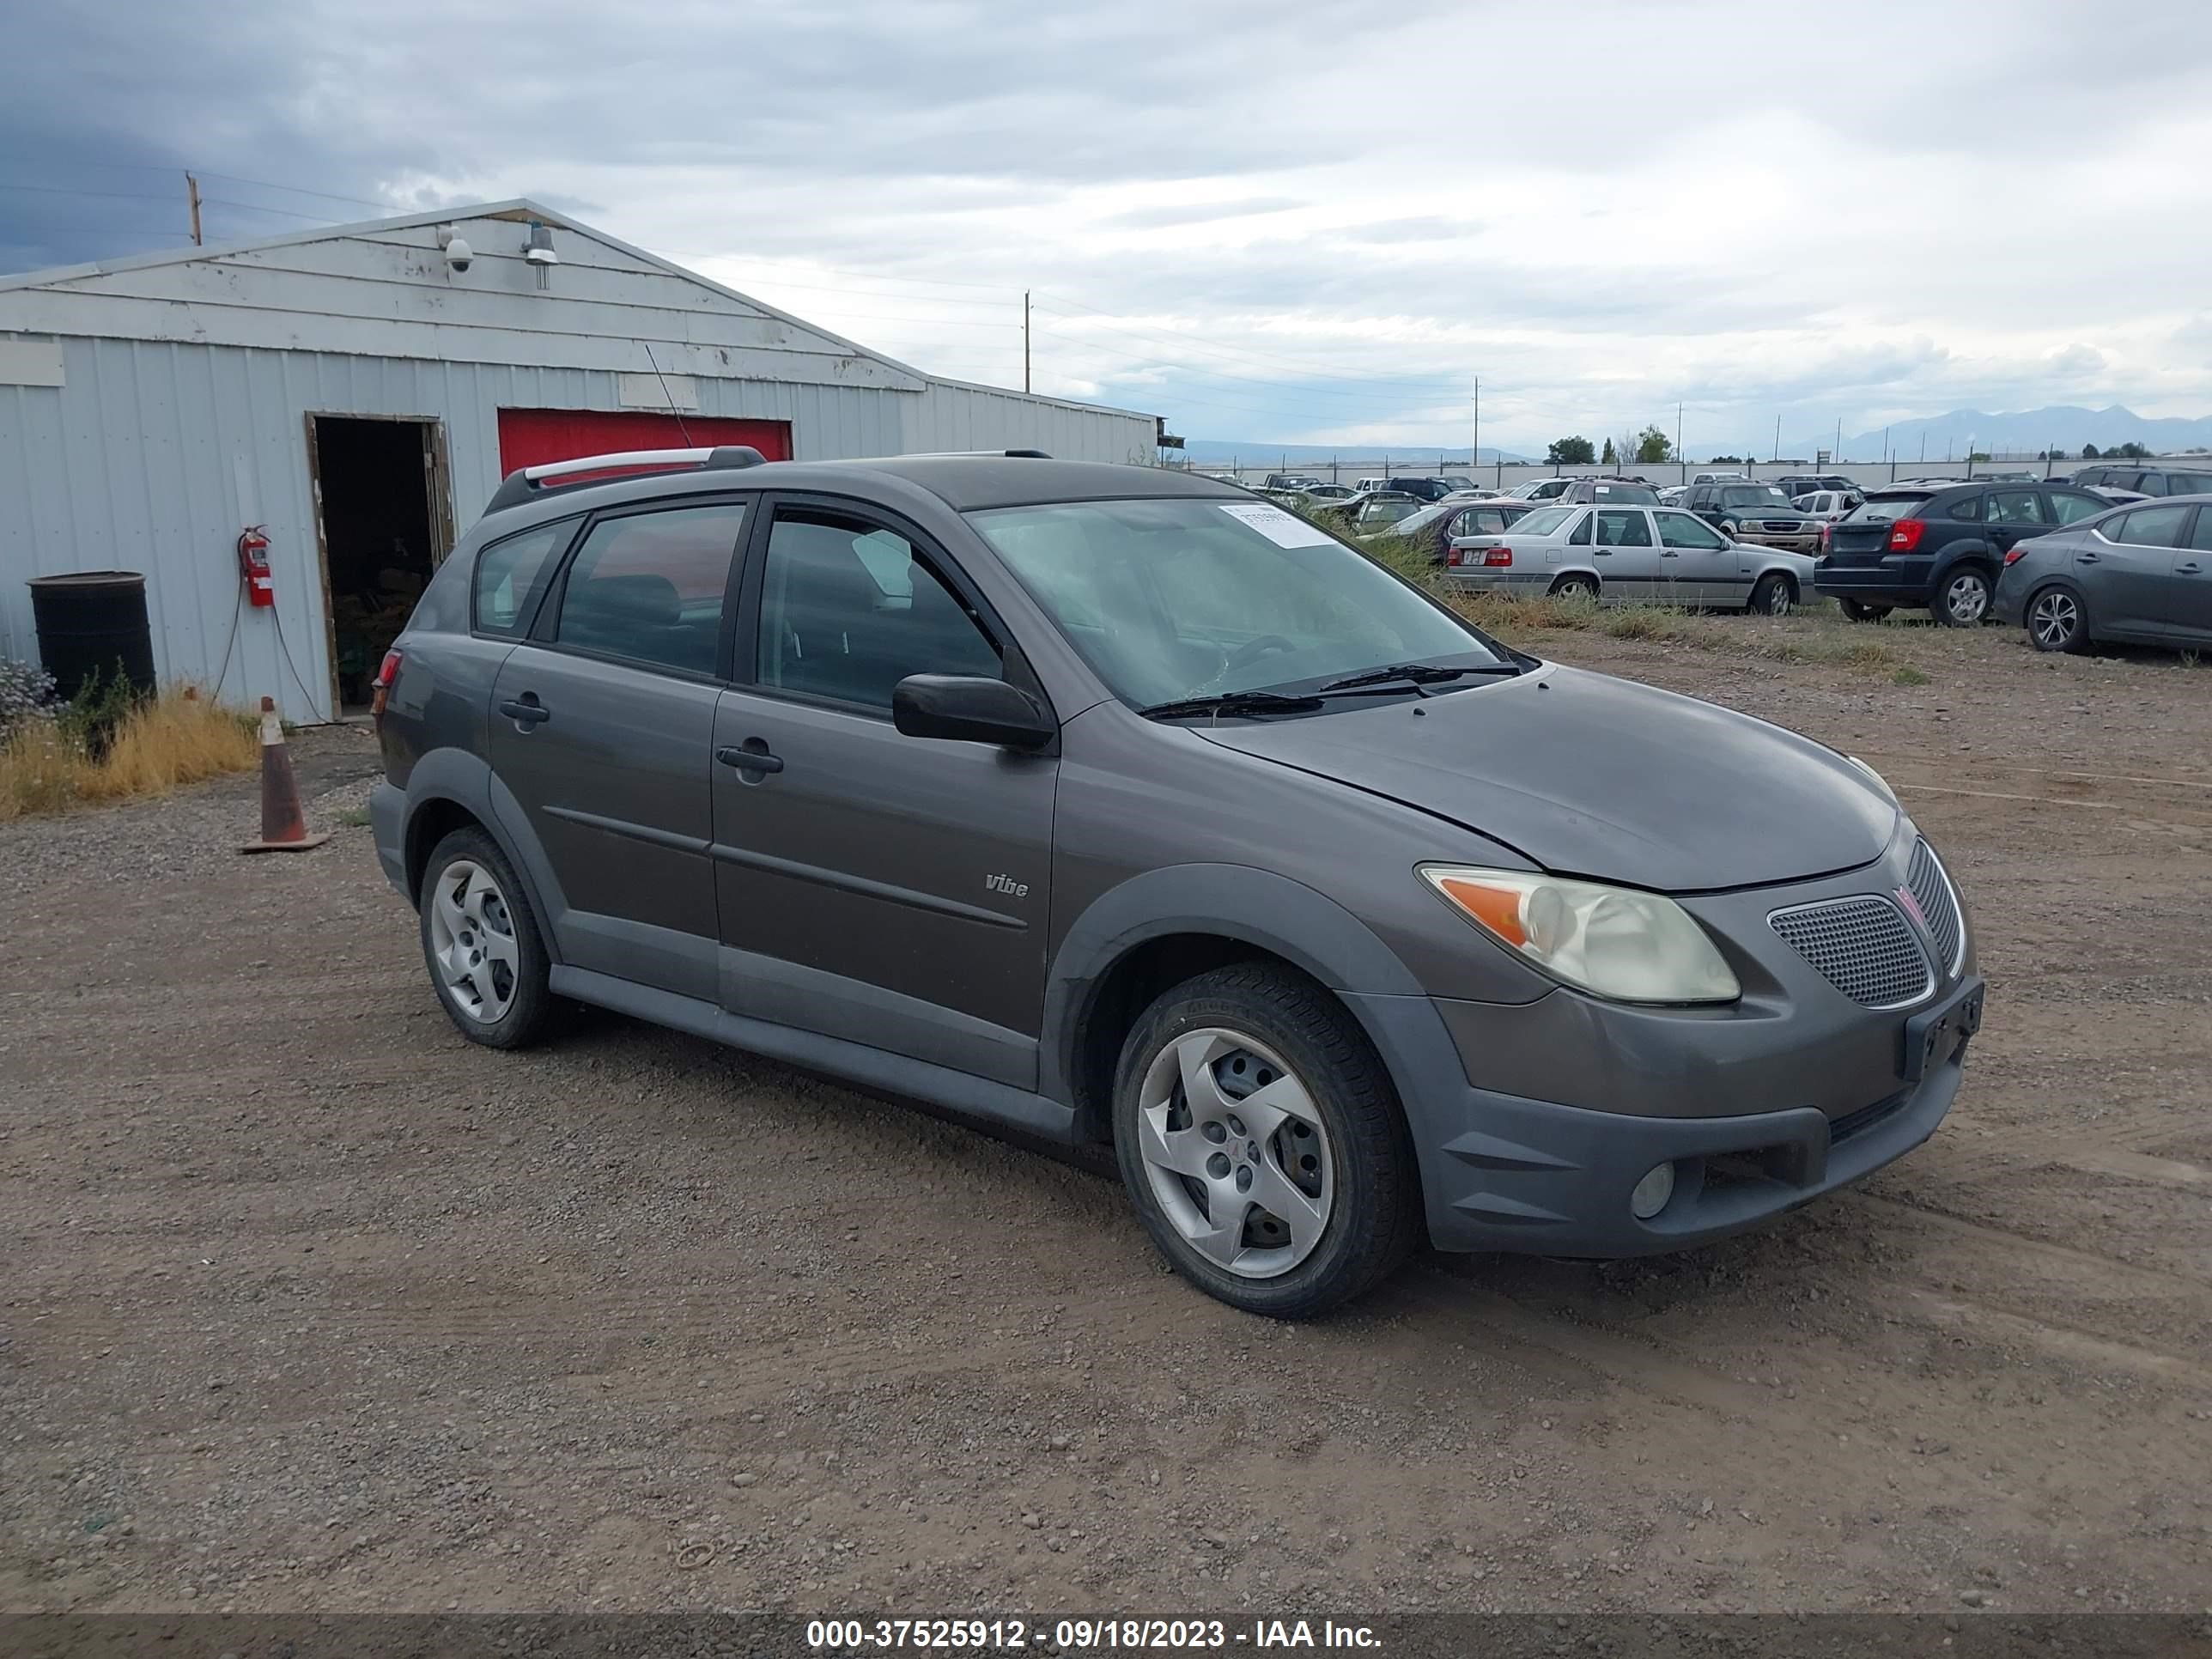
1110,805
1756,512
2144,479
1939,548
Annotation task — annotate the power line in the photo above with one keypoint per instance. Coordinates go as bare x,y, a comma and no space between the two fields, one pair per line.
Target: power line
113,195
255,207
299,190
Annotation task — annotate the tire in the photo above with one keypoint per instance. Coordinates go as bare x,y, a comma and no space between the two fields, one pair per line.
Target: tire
1963,600
2055,621
1856,611
1333,1139
1575,587
480,942
1772,596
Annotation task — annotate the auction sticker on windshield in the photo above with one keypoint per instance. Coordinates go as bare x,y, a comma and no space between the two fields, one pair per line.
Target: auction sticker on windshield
1284,529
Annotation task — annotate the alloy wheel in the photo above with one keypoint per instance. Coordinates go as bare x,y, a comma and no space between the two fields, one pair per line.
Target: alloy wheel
472,941
1235,1152
2053,619
1967,598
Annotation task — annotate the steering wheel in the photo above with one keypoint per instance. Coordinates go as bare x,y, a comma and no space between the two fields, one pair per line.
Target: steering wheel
1252,650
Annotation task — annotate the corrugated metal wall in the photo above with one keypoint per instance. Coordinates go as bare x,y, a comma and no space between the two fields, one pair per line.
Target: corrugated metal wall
955,414
153,455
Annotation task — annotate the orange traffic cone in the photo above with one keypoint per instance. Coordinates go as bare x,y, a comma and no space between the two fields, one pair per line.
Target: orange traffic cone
283,827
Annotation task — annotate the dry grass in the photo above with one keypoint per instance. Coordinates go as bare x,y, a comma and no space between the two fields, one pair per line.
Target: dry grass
177,738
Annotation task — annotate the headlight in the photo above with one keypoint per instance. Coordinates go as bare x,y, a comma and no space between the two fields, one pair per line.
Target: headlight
1613,941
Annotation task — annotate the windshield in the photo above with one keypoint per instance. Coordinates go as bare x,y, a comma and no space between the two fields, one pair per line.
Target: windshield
1543,521
1754,495
1186,598
1884,508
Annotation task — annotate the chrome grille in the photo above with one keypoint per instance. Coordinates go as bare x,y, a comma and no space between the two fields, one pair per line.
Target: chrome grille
1931,885
1863,946
1785,526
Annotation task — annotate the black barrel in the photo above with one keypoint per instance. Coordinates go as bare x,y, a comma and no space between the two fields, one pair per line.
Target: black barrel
91,623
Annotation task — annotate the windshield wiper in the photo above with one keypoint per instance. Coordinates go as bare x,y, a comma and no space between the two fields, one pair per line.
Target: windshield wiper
1415,673
1232,702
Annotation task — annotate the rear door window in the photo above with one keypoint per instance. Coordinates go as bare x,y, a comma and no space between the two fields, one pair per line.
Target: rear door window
2148,527
1619,527
649,586
2016,506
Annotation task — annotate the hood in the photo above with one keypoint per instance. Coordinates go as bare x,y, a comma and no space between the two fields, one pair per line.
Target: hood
1591,776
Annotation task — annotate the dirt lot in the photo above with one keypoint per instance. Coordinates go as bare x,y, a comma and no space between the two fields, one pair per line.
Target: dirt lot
310,1305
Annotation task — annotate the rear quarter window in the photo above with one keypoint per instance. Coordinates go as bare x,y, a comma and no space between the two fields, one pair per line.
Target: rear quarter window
1967,509
509,572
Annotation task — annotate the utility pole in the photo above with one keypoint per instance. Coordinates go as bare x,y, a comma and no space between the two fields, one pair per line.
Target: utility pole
1025,338
192,200
1474,455
1775,454
1838,453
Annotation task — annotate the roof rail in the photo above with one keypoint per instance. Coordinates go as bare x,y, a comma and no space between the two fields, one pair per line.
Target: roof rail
528,484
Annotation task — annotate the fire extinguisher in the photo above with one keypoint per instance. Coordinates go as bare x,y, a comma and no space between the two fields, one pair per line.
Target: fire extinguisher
253,565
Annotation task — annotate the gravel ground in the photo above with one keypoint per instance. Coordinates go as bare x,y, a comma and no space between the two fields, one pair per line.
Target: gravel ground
312,1306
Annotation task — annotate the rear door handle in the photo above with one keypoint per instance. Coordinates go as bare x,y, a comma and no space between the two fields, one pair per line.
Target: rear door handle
2085,558
2189,569
1671,554
750,760
527,711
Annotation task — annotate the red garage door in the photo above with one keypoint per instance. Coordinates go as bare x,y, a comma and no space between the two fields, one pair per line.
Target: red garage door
531,437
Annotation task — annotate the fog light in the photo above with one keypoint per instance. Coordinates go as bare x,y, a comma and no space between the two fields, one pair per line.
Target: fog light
1652,1193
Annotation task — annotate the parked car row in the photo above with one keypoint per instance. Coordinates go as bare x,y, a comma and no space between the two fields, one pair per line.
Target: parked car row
1629,553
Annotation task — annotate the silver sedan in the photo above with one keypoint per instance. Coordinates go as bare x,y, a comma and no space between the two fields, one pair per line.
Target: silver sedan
1630,554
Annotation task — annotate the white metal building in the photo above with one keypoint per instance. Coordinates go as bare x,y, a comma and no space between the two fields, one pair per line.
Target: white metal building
360,392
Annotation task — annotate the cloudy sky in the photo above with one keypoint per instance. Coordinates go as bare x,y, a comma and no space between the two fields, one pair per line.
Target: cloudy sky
1294,223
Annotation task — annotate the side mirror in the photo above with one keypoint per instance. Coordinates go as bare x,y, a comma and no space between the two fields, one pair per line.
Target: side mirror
967,709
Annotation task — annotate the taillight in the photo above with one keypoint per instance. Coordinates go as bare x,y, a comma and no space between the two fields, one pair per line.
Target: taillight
380,688
2012,554
1498,556
1905,535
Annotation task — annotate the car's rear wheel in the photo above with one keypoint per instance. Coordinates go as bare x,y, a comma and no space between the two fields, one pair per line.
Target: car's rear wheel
1770,595
1259,1139
480,940
1964,599
2055,621
1858,611
1575,587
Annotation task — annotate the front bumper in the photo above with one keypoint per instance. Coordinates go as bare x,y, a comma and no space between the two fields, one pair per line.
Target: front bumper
1541,1178
1807,542
1534,1122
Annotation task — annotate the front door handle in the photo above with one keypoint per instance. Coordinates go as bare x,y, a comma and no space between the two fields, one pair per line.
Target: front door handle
750,759
2189,569
527,711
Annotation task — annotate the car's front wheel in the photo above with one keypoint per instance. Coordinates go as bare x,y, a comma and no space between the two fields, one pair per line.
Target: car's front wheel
480,943
1260,1142
1858,611
1770,595
2055,622
1964,599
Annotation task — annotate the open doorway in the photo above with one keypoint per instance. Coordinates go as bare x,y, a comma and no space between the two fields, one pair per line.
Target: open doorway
384,524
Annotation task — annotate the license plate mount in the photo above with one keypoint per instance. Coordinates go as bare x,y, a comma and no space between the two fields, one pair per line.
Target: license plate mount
1934,1036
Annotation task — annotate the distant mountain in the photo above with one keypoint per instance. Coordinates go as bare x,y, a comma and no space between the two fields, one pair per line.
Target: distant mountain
2063,426
1215,451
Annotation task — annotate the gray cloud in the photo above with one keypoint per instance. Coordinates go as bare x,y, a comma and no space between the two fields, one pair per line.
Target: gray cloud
1913,229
